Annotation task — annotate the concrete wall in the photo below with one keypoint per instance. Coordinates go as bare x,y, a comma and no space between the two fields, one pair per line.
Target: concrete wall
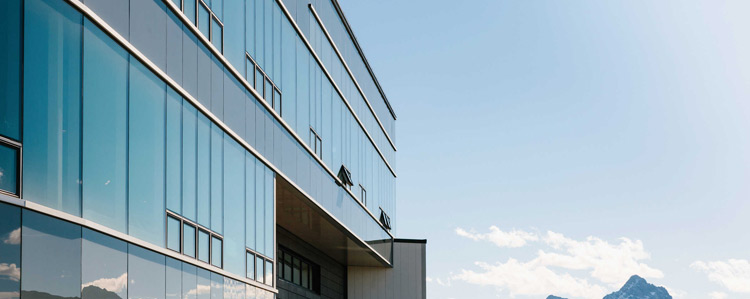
332,274
407,278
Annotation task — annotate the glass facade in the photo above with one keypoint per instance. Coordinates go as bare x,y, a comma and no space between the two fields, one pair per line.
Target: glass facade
153,144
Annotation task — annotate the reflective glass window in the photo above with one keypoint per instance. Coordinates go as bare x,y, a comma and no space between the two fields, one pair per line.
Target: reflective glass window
204,284
10,69
269,217
104,269
148,30
174,151
146,148
173,233
277,101
250,162
146,273
189,281
216,252
174,279
217,175
296,267
204,19
259,79
189,9
204,170
51,252
305,272
234,205
269,272
250,265
188,240
8,169
233,289
10,250
189,160
217,6
259,208
105,110
287,267
234,25
217,35
217,286
203,246
268,92
259,273
52,74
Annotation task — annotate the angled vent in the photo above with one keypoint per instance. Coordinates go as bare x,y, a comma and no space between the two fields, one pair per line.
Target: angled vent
384,219
345,176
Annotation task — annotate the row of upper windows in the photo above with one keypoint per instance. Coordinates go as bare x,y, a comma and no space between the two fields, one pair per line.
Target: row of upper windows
84,263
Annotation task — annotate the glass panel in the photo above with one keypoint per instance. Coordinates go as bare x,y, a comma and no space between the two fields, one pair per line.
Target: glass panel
10,251
234,23
146,273
259,79
269,272
10,68
305,275
53,75
277,101
268,91
217,7
51,253
259,208
8,169
269,218
250,162
296,271
204,170
104,129
188,240
189,281
174,279
189,160
174,151
173,234
250,265
217,286
250,292
216,252
259,269
217,173
104,271
146,126
234,205
204,21
203,245
189,9
204,284
148,30
233,289
217,36
287,267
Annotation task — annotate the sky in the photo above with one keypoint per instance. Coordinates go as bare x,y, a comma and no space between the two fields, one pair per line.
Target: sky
559,147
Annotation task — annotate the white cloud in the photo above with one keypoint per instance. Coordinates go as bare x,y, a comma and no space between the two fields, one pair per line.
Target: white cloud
9,295
14,237
609,265
512,239
717,295
115,285
202,289
733,274
11,271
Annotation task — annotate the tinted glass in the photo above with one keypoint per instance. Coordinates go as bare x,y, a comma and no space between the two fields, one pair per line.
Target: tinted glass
203,245
269,272
233,289
204,284
10,68
216,252
296,267
8,169
146,273
268,92
173,234
250,265
104,271
148,30
259,79
259,208
104,129
188,240
189,281
10,250
277,101
217,173
269,217
250,162
146,154
204,21
189,9
287,267
259,273
217,35
174,279
174,151
204,170
189,160
234,206
51,257
217,286
52,41
305,275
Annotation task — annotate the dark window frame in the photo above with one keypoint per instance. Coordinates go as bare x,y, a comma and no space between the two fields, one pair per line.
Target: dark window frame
249,253
18,147
313,281
198,229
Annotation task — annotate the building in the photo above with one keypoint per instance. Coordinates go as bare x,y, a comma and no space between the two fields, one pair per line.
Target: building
195,149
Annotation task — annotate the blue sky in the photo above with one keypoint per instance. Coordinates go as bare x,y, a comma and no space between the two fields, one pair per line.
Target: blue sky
568,126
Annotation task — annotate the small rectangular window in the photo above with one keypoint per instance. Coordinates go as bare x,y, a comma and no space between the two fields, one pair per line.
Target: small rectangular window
216,252
259,269
188,240
259,79
296,271
363,195
8,169
269,272
203,245
250,265
287,267
316,143
277,100
305,275
217,35
173,233
268,91
204,19
189,9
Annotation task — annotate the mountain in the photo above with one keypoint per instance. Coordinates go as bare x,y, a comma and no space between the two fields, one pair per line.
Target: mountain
638,288
554,297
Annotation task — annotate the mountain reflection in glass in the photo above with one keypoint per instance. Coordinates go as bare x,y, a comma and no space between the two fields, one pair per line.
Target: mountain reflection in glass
104,271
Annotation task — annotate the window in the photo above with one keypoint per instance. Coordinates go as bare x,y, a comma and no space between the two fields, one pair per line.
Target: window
385,219
363,195
345,176
263,85
259,268
206,20
316,143
298,270
8,168
194,240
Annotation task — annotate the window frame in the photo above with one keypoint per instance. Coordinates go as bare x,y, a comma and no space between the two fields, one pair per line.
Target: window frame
198,229
249,253
313,269
18,147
